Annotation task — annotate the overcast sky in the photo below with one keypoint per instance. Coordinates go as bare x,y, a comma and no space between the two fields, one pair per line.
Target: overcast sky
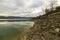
24,8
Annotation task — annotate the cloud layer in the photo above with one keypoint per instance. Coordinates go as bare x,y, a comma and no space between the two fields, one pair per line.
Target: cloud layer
23,7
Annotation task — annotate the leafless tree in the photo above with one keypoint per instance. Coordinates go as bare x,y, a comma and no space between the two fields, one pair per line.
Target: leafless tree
53,4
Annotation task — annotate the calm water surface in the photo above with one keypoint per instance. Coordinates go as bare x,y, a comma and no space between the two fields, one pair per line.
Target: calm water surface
13,30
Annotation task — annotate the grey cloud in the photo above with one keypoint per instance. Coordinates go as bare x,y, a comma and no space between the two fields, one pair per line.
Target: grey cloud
36,4
19,4
9,8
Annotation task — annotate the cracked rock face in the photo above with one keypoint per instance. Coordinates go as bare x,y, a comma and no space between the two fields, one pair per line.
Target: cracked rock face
46,27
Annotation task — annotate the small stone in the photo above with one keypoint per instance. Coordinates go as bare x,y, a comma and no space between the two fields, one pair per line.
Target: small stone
57,29
52,26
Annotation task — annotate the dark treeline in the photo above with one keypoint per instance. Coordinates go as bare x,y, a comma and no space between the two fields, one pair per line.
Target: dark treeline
52,11
14,17
48,12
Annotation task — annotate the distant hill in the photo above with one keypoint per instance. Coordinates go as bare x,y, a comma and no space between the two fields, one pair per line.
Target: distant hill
14,17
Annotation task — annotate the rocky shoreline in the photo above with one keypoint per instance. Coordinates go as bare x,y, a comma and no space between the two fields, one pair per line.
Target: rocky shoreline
46,27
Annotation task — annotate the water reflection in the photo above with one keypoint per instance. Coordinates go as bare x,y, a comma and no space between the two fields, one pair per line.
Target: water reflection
12,30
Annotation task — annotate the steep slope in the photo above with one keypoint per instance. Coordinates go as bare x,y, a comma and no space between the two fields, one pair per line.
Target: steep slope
47,27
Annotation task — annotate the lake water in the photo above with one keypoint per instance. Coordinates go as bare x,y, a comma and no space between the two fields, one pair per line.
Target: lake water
13,30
